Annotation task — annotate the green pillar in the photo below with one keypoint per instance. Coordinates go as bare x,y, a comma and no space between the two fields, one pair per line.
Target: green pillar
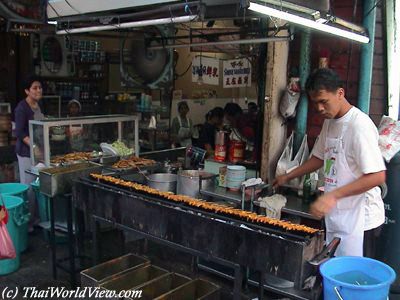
302,108
367,56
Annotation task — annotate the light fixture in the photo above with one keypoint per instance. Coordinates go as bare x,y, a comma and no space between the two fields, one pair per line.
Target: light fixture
143,23
269,11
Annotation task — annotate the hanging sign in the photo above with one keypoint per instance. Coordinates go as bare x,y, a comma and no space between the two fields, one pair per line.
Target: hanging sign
236,73
205,70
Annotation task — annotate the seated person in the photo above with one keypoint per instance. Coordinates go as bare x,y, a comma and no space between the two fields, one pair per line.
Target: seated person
242,125
214,122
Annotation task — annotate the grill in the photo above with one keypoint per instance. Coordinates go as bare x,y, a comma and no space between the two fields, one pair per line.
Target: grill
271,250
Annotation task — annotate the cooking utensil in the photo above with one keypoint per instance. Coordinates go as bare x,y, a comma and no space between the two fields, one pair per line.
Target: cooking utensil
189,182
165,182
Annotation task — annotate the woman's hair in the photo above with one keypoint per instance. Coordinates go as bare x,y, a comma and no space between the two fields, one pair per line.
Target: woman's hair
217,112
27,83
323,79
233,109
182,104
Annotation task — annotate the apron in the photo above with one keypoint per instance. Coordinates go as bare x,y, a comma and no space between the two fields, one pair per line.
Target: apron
183,133
347,219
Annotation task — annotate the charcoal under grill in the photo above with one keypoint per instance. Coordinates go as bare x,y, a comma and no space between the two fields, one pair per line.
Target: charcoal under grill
272,251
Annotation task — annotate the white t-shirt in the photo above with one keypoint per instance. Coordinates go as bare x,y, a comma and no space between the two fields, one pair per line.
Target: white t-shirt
360,142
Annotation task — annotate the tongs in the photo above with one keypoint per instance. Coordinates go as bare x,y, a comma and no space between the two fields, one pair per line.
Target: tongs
144,173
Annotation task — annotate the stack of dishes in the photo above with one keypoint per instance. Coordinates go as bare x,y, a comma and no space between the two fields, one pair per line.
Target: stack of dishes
235,175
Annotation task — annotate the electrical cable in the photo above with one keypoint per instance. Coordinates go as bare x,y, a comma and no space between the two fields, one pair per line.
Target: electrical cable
373,7
69,4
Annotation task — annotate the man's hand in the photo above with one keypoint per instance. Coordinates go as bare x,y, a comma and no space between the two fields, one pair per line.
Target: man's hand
323,205
280,180
2,214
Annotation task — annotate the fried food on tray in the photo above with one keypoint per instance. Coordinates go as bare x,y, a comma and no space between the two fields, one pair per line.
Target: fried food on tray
133,162
72,157
216,208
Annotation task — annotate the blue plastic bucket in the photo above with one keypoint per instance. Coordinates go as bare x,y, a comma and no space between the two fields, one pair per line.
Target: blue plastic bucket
352,277
19,190
13,205
14,189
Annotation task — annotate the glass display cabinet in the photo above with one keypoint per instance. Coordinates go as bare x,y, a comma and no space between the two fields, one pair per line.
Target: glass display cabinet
52,138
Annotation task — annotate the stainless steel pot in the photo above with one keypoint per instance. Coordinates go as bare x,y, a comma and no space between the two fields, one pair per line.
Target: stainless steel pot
162,182
189,182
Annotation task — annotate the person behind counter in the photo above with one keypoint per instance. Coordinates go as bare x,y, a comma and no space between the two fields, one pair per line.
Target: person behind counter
214,121
26,110
252,109
75,132
182,127
74,108
353,167
243,127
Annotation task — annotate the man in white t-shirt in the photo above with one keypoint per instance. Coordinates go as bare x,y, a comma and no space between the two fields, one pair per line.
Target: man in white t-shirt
348,150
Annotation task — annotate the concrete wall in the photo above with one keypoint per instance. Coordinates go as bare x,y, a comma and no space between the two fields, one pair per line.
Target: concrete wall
274,130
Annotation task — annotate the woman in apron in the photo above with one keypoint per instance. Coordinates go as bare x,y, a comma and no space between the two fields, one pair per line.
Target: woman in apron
75,132
182,127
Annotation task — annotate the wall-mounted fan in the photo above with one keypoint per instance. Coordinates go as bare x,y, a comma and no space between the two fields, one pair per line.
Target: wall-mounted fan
143,67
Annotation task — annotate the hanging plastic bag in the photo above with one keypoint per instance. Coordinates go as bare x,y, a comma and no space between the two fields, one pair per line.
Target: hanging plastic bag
300,158
287,164
389,137
7,249
284,162
290,98
3,214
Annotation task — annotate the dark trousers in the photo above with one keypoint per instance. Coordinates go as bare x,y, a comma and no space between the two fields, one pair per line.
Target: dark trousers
371,240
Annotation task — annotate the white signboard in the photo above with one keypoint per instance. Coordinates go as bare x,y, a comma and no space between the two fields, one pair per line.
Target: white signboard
236,73
207,68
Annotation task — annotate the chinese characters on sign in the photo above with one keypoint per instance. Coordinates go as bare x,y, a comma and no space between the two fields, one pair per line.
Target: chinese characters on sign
208,69
237,73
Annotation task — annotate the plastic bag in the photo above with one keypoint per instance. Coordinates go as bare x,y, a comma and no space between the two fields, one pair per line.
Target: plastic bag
389,137
3,214
7,249
284,162
301,157
287,164
288,104
290,98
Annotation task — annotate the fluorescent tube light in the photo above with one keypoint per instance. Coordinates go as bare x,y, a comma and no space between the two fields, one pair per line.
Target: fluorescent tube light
129,25
307,22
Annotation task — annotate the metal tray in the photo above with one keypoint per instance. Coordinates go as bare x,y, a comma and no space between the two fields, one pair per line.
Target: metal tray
132,279
101,273
161,285
197,289
58,180
149,168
